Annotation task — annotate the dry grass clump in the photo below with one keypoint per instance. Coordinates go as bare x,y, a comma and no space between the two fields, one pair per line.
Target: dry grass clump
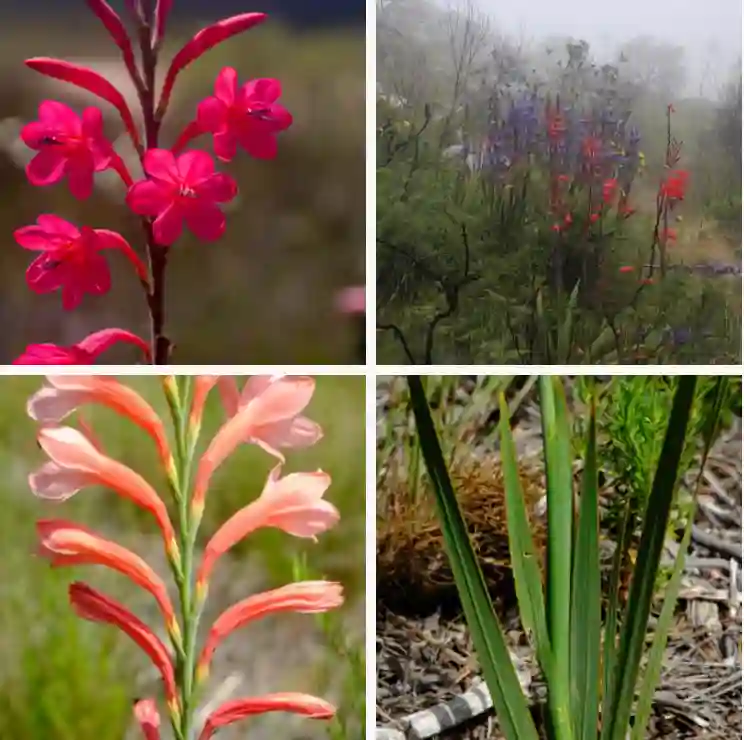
413,572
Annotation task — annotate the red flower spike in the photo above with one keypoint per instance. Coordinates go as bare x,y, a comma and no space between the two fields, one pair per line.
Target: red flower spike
68,146
66,543
184,189
85,352
71,259
96,607
627,268
202,42
89,80
593,218
248,115
304,597
237,709
668,235
146,714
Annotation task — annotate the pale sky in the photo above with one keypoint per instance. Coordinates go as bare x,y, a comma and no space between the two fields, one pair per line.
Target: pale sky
706,28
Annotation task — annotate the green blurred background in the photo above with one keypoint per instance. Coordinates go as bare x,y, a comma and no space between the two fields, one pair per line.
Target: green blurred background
266,292
66,679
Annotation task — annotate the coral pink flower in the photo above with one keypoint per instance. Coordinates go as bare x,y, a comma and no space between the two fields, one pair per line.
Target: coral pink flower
248,115
305,597
76,463
67,543
201,43
68,146
184,189
85,352
71,259
293,504
627,268
146,714
269,416
237,709
96,607
352,300
65,393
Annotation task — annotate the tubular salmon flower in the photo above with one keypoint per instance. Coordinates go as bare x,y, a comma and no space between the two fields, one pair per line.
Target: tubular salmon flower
146,714
96,607
293,504
305,597
71,258
237,709
269,416
66,543
248,115
202,385
76,463
89,80
229,394
66,393
68,146
201,43
85,352
184,189
627,268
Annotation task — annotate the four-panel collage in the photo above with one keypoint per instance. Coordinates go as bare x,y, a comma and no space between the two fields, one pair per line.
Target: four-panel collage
236,506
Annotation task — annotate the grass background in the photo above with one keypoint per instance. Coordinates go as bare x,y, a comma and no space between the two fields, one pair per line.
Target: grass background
66,679
266,292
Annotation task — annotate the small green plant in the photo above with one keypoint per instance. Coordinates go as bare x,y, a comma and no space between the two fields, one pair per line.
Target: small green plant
592,668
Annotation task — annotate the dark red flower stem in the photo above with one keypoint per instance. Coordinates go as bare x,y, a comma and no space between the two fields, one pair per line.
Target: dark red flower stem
157,255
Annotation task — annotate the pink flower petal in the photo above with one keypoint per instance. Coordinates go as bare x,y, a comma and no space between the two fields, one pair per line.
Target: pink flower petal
219,187
60,117
55,483
161,164
205,220
80,177
226,85
266,90
194,166
225,145
168,226
149,198
46,168
210,114
55,224
261,145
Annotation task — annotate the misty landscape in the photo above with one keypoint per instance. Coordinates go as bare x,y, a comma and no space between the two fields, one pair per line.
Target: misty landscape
558,183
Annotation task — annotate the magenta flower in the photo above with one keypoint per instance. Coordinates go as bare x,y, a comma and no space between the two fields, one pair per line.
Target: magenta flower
69,146
183,189
84,352
249,116
70,259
